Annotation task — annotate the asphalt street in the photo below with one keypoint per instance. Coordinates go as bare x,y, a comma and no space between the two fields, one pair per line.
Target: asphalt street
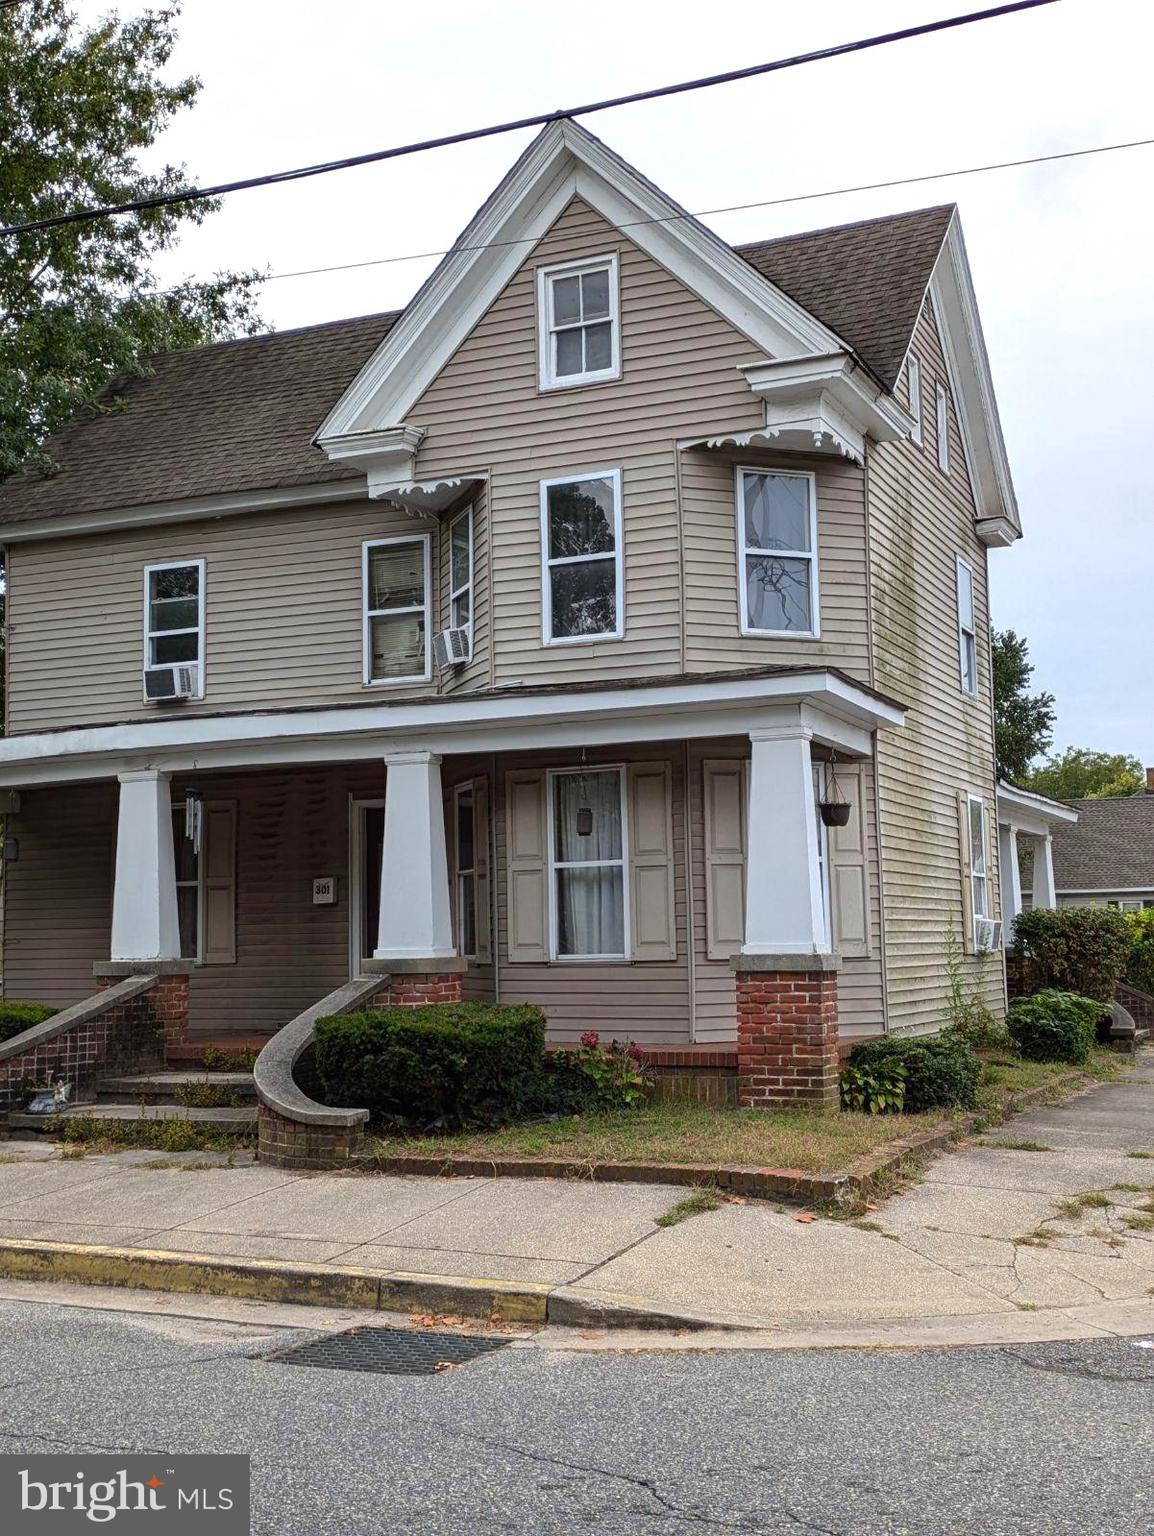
1040,1438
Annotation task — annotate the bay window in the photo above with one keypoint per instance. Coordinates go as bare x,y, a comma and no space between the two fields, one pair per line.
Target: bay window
581,577
588,888
777,552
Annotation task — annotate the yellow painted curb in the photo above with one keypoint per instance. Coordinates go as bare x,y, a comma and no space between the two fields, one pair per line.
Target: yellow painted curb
272,1280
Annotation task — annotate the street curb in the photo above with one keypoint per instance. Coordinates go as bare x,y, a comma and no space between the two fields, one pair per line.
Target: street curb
332,1285
838,1188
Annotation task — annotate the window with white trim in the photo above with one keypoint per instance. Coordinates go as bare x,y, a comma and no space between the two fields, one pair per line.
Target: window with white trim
578,323
581,577
979,866
943,428
967,629
174,616
777,552
461,574
914,382
396,610
465,860
588,890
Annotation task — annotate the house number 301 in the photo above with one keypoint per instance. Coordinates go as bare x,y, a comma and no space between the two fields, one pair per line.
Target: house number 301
325,891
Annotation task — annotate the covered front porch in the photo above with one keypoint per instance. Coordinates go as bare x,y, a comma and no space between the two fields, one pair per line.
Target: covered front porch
623,859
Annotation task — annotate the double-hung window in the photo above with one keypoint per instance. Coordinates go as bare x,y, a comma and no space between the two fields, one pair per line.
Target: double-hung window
967,630
943,428
461,574
578,324
174,616
777,552
465,852
588,887
396,610
914,381
582,596
979,866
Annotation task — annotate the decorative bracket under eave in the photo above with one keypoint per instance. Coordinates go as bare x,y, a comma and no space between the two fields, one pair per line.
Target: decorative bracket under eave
388,457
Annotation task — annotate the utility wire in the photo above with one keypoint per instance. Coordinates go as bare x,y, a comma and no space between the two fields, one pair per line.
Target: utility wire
771,202
197,194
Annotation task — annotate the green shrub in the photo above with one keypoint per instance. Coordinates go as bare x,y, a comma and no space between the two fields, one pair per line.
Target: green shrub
1073,949
1055,1026
941,1071
15,1018
444,1064
877,1088
1140,961
592,1076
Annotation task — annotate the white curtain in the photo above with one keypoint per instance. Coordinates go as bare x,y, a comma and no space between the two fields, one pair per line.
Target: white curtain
590,891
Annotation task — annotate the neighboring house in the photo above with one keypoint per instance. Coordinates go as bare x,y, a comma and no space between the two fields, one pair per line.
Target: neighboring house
1107,859
516,636
1029,828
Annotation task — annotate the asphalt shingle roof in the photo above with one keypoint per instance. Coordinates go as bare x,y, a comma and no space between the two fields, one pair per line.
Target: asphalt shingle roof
240,415
1110,848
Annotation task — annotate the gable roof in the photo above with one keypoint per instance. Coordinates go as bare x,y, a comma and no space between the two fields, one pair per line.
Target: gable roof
1109,848
866,281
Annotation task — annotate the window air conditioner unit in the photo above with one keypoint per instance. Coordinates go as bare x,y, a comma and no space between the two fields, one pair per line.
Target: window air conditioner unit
987,935
163,685
451,647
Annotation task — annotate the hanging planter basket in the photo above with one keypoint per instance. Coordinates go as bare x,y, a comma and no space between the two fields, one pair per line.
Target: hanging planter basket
834,808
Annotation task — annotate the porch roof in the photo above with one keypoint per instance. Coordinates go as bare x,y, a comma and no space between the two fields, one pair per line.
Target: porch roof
1035,815
835,709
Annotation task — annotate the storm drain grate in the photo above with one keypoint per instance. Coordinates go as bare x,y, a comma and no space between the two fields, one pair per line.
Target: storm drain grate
389,1351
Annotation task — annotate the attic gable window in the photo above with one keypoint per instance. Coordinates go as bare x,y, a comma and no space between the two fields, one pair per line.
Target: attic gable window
578,324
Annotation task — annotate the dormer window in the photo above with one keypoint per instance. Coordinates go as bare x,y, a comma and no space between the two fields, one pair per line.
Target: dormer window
577,323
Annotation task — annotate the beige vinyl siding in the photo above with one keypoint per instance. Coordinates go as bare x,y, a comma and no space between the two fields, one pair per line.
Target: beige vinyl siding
283,615
921,521
633,1001
713,637
679,377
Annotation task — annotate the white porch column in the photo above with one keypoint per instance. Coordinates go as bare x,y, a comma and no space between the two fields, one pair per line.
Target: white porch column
1011,875
784,911
144,917
1044,894
415,922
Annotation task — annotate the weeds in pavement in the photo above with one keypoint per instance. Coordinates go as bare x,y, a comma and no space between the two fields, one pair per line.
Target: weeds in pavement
82,1134
1018,1146
1140,1152
1092,1200
696,1204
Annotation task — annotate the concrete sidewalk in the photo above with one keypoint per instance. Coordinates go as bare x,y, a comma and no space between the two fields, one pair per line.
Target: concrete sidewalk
945,1259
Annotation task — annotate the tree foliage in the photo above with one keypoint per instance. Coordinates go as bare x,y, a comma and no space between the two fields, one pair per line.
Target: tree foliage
1023,722
78,304
1079,774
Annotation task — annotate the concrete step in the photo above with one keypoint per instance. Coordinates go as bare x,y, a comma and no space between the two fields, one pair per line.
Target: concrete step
228,1122
190,1053
161,1086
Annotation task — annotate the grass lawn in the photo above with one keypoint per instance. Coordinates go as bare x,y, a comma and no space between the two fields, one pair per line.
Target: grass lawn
668,1132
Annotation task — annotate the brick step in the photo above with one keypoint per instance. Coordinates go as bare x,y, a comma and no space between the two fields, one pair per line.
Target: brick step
153,1087
190,1053
228,1122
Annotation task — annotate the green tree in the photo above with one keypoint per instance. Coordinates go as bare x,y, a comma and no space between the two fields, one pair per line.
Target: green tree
1079,774
78,304
1023,722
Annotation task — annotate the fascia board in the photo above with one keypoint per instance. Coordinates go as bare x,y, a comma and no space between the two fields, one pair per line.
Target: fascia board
562,162
955,306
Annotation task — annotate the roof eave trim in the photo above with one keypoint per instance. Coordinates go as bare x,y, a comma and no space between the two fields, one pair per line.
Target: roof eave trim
563,162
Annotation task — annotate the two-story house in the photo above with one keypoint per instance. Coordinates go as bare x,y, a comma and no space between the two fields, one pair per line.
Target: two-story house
512,643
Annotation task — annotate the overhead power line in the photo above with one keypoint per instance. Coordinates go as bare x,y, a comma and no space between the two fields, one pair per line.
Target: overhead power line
769,202
197,194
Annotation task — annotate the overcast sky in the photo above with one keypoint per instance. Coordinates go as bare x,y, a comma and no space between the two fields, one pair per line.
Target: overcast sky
1060,253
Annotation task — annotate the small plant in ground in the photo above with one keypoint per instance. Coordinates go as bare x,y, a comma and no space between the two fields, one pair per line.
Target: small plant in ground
213,1059
1055,1026
1140,1152
90,1134
868,1226
1092,1200
941,1071
1041,1237
1018,1146
696,1204
206,1095
874,1089
966,1009
592,1076
1142,1223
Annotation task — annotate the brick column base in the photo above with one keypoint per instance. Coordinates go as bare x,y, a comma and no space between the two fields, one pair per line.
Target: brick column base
167,1001
415,988
787,1032
291,1144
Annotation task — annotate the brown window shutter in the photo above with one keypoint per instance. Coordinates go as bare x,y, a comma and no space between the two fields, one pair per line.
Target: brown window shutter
526,856
967,886
848,874
219,854
724,792
483,884
651,908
